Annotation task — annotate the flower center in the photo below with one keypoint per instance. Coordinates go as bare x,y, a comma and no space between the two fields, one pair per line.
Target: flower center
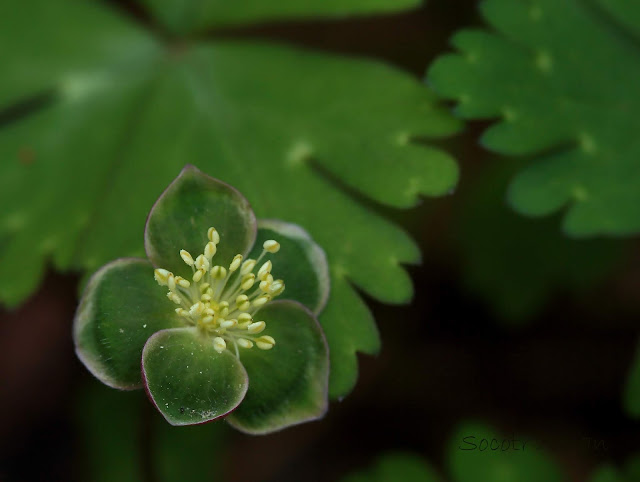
223,301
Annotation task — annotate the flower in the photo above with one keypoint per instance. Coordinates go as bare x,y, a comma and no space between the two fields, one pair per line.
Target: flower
218,341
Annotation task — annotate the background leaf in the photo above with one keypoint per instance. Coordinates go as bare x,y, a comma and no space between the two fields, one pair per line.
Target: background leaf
519,264
186,15
561,78
396,466
471,465
303,135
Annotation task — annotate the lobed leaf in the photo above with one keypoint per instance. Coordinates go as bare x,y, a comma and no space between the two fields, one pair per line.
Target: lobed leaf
395,466
519,264
560,77
467,464
301,134
188,15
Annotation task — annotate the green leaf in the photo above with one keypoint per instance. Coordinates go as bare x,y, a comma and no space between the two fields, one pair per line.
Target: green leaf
109,427
392,467
301,134
631,398
607,473
300,262
185,211
518,264
188,380
561,77
194,453
287,384
476,453
186,15
121,308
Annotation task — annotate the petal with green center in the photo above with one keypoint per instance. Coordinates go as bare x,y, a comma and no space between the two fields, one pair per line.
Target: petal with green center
301,263
121,307
180,218
287,384
188,380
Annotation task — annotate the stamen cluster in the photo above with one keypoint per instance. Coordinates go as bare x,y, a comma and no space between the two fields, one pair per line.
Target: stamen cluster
223,301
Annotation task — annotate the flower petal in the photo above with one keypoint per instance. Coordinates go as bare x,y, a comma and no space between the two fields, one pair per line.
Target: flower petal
188,380
287,384
121,307
184,212
301,263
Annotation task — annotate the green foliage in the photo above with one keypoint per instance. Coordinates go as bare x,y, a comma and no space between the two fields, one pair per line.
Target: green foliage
516,263
561,77
294,130
517,464
470,458
114,436
393,467
190,15
109,427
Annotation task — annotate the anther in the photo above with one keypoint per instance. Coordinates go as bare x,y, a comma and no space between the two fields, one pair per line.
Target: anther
256,327
218,272
182,282
161,276
247,281
228,324
271,245
197,276
210,250
247,266
244,343
244,317
197,308
202,263
186,257
264,286
264,270
174,297
261,300
235,264
219,344
171,282
213,235
243,303
265,342
276,288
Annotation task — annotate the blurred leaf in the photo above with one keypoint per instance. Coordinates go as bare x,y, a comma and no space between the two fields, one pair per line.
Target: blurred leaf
561,77
109,424
192,453
295,131
607,473
110,428
517,264
631,398
188,15
394,467
472,458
